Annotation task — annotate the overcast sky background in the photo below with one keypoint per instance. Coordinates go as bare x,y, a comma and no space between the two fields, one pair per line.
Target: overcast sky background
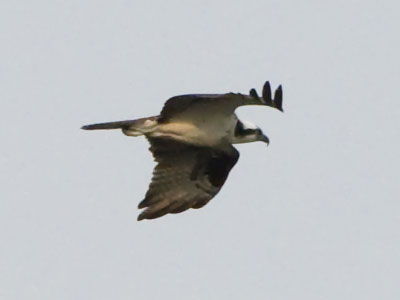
313,216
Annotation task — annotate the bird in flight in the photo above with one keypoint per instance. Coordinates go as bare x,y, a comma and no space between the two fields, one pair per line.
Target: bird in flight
191,141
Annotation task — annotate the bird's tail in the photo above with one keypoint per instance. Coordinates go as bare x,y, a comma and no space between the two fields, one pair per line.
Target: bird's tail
110,125
129,127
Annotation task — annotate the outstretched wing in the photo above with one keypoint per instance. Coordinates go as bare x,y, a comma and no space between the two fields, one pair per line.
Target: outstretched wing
190,107
186,176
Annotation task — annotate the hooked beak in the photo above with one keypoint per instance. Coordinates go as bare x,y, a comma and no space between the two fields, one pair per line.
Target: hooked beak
264,139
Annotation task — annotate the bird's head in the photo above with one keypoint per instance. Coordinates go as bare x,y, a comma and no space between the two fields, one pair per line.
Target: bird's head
247,132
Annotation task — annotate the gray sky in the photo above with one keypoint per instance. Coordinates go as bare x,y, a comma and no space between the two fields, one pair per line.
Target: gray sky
313,216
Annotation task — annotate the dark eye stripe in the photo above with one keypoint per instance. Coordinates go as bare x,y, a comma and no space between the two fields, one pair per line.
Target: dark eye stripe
241,131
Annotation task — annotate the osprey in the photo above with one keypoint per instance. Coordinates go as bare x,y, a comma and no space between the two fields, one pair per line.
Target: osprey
191,141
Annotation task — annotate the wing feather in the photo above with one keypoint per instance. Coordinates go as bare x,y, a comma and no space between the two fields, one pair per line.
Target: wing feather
185,176
189,107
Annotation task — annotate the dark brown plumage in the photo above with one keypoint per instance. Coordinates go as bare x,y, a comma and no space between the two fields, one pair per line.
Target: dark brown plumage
186,176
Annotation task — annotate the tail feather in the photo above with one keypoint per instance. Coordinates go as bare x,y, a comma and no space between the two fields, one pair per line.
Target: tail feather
110,125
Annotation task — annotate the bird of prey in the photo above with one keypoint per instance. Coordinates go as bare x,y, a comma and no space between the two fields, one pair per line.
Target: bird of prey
191,141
